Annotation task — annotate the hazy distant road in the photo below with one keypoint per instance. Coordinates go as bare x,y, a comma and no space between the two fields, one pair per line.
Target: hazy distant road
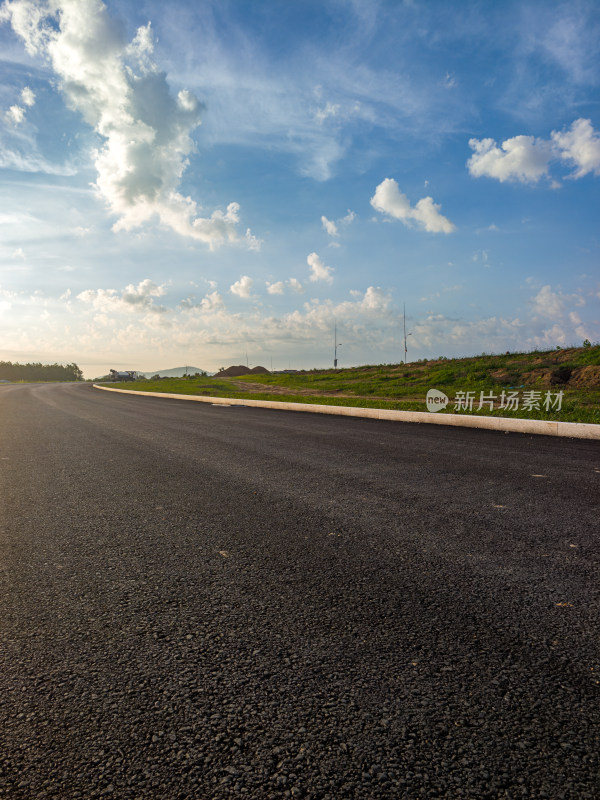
202,602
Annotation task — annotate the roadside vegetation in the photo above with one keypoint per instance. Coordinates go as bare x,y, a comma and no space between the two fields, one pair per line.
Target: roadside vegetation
39,372
574,371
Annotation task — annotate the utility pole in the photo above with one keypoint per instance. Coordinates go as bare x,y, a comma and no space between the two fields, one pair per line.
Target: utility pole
335,345
405,334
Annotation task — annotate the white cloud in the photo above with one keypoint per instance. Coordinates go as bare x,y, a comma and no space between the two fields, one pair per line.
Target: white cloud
16,115
212,302
388,199
329,226
522,158
139,295
547,303
101,323
279,286
333,228
553,307
252,242
318,270
580,146
209,304
132,298
123,96
242,287
28,96
527,159
376,300
275,288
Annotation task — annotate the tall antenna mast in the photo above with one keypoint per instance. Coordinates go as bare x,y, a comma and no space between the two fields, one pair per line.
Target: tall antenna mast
405,334
405,349
335,345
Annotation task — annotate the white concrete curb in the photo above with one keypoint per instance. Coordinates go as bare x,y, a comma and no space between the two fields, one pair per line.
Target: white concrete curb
576,430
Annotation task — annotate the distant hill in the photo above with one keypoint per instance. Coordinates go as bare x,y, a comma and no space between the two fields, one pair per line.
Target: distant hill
176,372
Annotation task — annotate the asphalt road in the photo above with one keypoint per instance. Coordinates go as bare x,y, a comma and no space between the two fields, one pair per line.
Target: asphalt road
204,602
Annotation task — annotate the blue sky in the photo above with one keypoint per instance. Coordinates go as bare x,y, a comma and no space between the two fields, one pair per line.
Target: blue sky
208,182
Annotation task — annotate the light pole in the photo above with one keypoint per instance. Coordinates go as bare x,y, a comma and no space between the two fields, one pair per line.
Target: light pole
405,334
336,344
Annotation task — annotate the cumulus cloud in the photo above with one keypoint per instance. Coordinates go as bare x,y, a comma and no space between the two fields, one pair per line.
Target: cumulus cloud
275,288
554,308
522,158
252,242
279,286
28,96
548,303
125,98
329,226
101,323
15,115
332,228
375,300
388,199
211,303
579,146
527,159
132,298
318,270
242,288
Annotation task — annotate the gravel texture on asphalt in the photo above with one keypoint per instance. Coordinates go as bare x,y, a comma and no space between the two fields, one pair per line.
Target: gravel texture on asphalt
202,602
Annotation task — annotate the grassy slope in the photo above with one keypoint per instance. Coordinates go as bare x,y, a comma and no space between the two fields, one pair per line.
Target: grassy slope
404,387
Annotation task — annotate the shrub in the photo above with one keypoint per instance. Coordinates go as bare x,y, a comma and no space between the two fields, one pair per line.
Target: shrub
561,375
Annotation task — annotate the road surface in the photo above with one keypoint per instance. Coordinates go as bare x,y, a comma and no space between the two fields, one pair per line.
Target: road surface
203,602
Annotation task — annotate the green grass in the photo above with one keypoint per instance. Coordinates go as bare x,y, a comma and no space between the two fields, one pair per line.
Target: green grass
404,387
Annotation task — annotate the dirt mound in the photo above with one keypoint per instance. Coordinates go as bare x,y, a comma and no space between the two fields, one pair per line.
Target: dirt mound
539,377
233,372
585,377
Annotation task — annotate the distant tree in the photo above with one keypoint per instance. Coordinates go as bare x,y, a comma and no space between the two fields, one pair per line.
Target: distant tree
39,372
587,343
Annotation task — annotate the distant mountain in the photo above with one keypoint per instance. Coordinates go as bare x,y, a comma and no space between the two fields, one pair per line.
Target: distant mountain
176,372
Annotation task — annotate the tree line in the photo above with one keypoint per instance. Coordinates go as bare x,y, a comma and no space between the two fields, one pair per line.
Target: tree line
39,372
